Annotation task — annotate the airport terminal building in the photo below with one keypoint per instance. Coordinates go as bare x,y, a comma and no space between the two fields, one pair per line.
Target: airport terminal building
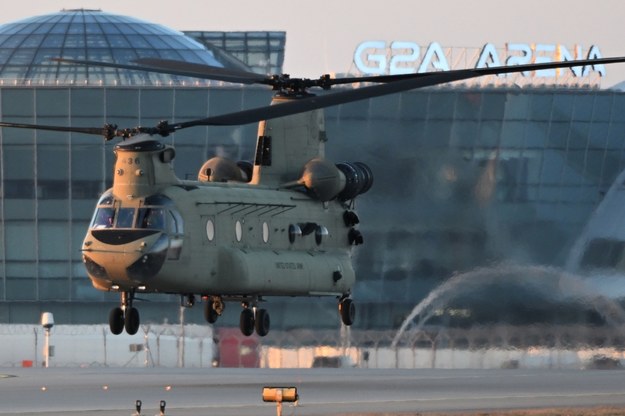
466,177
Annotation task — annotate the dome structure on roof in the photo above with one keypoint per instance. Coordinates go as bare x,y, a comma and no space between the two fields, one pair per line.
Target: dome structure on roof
27,47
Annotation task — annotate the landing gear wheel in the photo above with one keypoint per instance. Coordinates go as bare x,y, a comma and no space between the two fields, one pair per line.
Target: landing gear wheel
262,322
131,321
210,314
246,322
116,320
347,310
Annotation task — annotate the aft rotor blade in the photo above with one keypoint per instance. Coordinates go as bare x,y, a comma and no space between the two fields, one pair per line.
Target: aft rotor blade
399,83
477,72
192,70
210,72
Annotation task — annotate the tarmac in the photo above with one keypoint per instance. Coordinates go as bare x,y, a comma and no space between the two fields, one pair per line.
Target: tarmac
238,392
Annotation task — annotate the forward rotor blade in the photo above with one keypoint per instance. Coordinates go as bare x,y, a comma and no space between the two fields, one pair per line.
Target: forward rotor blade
99,131
166,67
202,71
394,84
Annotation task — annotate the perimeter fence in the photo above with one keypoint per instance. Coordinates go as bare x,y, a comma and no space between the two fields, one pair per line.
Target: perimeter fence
94,346
498,346
431,347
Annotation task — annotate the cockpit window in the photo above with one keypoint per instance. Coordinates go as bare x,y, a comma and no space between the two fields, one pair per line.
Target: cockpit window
103,218
163,216
125,217
109,217
152,218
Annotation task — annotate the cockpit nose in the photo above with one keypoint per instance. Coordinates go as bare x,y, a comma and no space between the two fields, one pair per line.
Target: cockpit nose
128,242
125,255
150,263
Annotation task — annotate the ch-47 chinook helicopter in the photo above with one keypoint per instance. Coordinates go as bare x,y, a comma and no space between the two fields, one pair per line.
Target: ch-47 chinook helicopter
284,225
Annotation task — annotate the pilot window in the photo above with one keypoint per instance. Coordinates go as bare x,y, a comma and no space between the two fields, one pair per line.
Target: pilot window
148,217
152,218
125,217
104,218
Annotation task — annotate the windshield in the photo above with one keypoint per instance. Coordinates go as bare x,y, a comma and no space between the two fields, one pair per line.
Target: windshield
104,218
163,218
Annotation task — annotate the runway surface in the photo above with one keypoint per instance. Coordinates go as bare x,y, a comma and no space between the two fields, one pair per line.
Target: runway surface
237,392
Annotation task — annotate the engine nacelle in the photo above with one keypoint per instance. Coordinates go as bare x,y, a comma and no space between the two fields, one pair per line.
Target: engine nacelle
358,179
344,181
220,169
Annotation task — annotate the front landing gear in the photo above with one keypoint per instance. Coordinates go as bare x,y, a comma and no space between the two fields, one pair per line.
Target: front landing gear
347,311
254,319
116,320
125,317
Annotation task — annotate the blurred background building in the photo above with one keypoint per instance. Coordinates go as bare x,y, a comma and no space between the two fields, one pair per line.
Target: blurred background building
466,177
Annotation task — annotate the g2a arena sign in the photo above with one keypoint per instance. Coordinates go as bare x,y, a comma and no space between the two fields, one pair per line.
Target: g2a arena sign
398,57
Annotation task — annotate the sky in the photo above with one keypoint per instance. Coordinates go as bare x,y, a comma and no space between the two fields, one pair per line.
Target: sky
322,35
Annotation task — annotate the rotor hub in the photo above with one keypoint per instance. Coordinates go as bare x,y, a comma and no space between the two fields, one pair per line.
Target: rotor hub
298,87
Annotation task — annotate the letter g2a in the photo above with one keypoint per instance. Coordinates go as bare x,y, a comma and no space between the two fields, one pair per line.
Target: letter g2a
375,63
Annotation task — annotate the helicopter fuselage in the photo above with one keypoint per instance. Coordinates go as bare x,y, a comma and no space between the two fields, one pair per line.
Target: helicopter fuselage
152,232
233,240
282,226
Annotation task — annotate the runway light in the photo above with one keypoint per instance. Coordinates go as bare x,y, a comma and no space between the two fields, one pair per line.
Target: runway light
105,387
280,395
44,388
167,388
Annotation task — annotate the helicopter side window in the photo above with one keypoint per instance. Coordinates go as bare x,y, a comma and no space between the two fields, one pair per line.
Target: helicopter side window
175,224
103,218
125,217
151,218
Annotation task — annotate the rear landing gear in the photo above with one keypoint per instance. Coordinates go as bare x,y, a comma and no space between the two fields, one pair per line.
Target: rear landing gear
246,322
254,319
262,322
124,317
347,311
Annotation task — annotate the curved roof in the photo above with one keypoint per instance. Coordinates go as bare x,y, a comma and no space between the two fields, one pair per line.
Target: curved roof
26,47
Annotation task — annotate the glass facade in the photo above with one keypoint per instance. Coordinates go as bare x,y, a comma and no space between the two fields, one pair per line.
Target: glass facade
471,178
262,52
463,178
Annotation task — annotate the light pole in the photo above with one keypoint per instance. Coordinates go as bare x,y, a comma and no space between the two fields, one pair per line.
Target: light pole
47,322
